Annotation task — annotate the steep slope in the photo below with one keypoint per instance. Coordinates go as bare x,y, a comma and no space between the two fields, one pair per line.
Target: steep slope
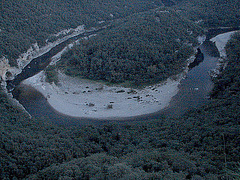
202,144
143,48
26,22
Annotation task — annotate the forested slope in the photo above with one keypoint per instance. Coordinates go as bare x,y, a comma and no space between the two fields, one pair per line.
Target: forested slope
212,13
142,48
25,22
148,47
202,144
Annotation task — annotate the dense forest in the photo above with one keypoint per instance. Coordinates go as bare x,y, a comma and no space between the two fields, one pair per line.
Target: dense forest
212,13
201,144
23,22
143,48
148,47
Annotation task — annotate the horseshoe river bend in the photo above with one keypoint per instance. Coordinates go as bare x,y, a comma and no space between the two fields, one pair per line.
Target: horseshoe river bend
192,90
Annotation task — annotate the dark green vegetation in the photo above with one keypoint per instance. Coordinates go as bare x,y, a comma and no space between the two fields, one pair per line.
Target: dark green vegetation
143,48
204,143
148,47
212,13
51,74
25,22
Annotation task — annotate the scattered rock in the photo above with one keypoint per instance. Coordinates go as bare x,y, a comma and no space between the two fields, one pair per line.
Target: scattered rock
109,106
100,88
137,97
121,91
132,92
91,104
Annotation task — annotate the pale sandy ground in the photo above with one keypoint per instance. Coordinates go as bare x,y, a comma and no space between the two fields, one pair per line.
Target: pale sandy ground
221,41
84,98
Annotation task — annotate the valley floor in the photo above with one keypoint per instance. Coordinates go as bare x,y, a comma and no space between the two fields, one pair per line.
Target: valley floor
84,98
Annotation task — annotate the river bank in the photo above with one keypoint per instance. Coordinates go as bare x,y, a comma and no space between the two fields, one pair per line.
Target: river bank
83,98
8,72
220,42
87,99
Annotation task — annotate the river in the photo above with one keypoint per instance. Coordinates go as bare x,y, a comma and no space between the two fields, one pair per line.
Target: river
193,92
40,63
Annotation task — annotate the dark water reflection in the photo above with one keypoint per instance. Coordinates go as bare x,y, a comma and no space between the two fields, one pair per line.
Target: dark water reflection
40,63
195,88
193,92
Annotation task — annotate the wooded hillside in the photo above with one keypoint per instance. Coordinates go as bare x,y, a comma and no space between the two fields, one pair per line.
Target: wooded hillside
202,144
143,48
212,13
23,22
148,47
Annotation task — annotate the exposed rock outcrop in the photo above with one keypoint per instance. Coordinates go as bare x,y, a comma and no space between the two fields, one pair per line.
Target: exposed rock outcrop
8,72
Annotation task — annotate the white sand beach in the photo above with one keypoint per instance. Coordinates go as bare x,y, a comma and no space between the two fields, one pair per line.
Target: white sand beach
83,98
221,41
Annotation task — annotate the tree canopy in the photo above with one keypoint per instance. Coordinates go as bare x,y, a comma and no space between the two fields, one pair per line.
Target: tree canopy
143,48
201,144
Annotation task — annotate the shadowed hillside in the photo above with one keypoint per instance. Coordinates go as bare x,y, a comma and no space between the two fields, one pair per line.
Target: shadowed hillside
201,144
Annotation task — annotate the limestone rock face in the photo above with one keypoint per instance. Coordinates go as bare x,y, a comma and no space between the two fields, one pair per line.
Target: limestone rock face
6,71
